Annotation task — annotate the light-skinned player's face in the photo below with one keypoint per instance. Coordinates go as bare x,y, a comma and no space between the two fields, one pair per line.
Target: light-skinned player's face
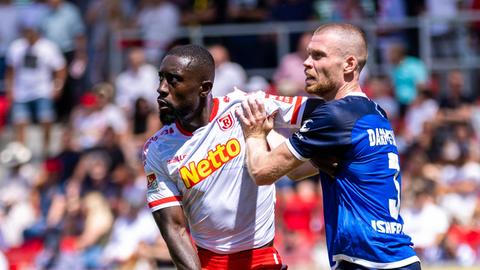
178,91
324,65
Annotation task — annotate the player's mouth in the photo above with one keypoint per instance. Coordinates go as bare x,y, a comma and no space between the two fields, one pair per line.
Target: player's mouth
309,79
164,105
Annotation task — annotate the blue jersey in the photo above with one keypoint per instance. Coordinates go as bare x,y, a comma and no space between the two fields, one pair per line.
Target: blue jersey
353,144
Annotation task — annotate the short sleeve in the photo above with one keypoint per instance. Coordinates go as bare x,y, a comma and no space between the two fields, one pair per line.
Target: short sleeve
291,110
56,59
322,133
161,191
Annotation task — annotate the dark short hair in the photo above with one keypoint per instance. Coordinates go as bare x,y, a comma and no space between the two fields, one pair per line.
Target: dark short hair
199,56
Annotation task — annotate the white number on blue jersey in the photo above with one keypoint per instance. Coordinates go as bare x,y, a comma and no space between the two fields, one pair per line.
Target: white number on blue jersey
394,204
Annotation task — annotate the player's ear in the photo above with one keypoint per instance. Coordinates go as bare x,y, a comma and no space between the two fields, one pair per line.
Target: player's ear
205,88
350,64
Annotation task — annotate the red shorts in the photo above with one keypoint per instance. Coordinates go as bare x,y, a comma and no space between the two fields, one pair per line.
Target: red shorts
266,258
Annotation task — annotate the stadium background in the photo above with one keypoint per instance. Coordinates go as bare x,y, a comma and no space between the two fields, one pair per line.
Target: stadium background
78,202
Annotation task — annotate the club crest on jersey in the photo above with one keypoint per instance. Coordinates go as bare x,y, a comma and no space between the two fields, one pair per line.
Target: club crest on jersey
152,181
225,122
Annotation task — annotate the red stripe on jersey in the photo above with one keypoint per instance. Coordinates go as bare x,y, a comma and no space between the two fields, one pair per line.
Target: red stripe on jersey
165,200
182,130
214,112
296,110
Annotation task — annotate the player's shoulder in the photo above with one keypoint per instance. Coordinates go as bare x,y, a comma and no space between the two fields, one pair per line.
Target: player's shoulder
168,138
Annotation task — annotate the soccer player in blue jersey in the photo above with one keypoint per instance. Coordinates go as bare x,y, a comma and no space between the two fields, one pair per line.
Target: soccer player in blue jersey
352,145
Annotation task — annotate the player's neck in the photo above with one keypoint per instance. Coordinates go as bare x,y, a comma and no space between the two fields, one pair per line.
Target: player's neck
348,88
198,118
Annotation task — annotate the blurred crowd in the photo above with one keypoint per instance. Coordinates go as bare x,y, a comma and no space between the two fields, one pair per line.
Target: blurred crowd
73,195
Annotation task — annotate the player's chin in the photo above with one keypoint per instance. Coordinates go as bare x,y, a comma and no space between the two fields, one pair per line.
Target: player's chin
311,89
167,116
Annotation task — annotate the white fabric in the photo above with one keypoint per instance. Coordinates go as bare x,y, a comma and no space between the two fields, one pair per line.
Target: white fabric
227,76
376,265
132,85
227,212
418,224
127,234
34,83
90,126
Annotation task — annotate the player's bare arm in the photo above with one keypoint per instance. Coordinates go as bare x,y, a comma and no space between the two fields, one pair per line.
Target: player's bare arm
264,166
172,224
305,170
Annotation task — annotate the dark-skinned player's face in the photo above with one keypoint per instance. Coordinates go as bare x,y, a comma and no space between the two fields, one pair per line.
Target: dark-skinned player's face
179,88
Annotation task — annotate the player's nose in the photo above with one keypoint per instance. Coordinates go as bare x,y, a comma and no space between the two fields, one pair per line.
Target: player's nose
163,89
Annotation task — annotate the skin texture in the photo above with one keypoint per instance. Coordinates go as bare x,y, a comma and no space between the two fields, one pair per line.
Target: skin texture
184,97
336,55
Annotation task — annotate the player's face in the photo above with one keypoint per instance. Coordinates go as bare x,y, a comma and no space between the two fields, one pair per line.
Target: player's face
179,88
323,66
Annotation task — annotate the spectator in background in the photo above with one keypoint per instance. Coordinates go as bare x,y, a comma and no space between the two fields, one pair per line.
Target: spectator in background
381,92
421,112
8,32
138,81
196,12
95,115
289,78
133,227
16,209
247,10
104,17
418,218
443,33
409,75
35,78
64,26
227,74
455,104
390,12
158,21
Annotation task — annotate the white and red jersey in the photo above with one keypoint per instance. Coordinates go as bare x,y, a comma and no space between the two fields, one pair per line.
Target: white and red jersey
206,173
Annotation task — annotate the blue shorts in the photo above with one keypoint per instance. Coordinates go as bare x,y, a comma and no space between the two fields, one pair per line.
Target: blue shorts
39,110
344,265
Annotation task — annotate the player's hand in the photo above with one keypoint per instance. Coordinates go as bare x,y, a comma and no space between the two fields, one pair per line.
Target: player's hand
255,121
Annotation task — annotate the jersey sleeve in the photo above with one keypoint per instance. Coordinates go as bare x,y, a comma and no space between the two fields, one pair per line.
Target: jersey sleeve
290,109
161,191
323,132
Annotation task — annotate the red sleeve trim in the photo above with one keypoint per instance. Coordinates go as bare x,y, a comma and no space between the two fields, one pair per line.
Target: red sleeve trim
165,200
296,110
214,112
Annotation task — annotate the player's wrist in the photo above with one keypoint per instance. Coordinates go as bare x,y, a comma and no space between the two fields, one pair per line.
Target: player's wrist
256,136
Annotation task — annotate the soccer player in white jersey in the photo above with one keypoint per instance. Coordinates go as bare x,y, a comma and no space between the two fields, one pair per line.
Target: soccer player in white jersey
196,174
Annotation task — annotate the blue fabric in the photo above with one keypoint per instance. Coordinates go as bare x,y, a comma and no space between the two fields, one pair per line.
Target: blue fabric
352,143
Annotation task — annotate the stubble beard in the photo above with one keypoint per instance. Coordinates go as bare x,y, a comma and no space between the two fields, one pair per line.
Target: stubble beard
321,89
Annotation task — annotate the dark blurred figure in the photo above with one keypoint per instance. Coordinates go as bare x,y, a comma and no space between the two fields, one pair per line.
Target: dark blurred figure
195,12
64,26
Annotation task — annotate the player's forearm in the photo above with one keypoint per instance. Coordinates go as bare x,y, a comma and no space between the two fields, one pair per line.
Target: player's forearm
172,225
259,167
181,249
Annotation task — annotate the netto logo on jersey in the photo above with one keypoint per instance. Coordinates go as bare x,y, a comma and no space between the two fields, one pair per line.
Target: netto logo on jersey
194,173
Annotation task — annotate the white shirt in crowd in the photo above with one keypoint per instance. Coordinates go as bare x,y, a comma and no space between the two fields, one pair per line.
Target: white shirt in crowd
132,85
33,78
227,76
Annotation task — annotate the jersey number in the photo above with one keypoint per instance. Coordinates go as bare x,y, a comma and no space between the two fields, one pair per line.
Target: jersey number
394,204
